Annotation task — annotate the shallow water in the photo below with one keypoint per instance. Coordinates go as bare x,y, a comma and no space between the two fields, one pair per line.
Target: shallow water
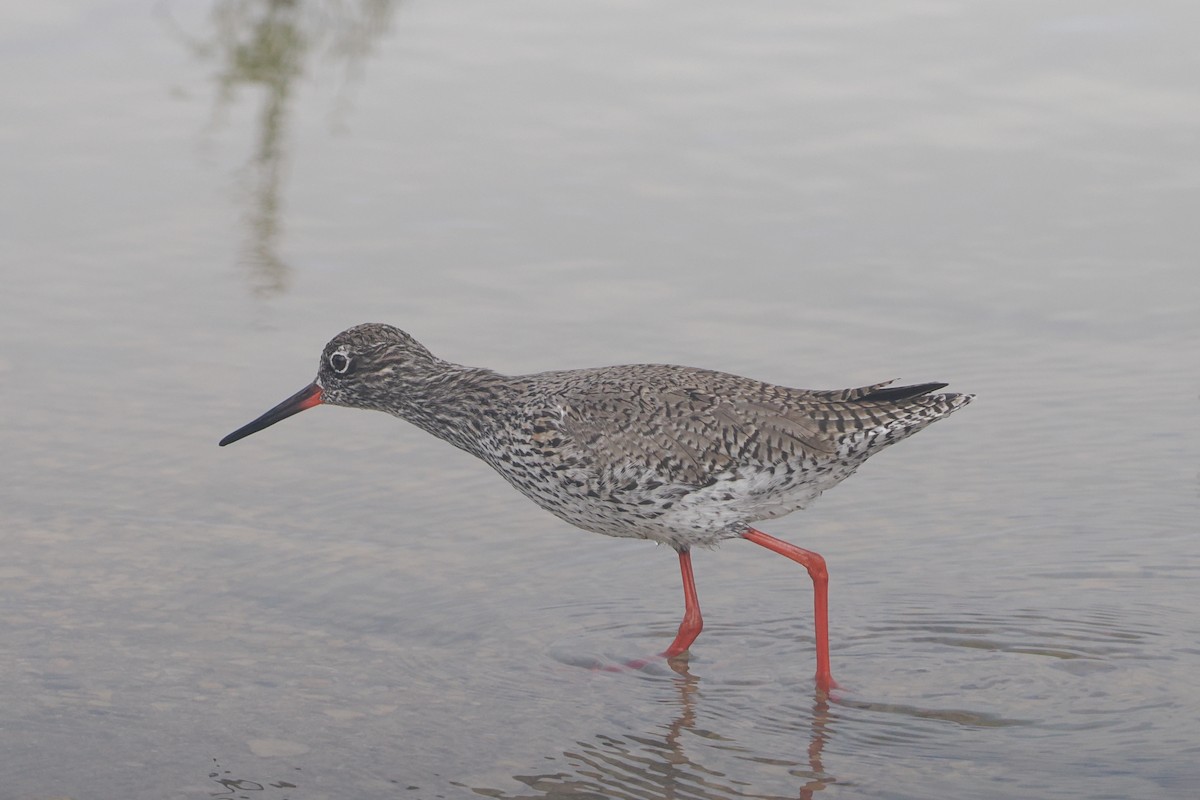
200,195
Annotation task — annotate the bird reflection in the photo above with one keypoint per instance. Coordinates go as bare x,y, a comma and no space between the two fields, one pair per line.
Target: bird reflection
269,45
657,764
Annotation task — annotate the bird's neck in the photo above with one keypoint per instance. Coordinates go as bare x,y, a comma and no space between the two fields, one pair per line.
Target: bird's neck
455,403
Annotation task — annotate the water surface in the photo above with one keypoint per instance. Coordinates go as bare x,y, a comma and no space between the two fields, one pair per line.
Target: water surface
200,195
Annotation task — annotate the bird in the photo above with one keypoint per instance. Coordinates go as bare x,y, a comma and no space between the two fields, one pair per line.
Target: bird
681,456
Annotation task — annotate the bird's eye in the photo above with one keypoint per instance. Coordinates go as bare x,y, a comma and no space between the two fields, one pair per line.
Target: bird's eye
340,363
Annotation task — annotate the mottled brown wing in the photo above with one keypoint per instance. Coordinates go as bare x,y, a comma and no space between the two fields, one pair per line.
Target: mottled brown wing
689,431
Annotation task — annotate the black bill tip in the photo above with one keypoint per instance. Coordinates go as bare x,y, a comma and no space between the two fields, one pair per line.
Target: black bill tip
307,397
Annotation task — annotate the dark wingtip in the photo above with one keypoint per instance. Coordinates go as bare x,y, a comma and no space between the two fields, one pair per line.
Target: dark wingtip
894,394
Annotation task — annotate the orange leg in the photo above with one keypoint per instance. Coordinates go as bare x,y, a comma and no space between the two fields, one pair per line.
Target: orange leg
692,623
820,578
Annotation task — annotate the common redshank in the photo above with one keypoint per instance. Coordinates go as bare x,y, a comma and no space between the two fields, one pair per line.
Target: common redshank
677,455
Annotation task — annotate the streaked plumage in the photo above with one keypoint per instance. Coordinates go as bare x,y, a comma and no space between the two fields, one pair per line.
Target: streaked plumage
678,455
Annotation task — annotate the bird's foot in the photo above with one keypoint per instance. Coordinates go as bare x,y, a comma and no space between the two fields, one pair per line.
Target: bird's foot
652,665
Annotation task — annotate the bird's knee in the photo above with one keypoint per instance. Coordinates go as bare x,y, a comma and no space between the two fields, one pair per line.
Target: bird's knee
817,569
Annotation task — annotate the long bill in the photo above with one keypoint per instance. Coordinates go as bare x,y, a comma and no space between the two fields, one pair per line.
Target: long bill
307,397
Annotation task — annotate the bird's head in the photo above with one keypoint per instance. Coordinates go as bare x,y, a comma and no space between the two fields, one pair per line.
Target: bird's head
363,367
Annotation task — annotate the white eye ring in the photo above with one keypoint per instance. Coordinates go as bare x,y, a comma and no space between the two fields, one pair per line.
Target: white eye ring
339,362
